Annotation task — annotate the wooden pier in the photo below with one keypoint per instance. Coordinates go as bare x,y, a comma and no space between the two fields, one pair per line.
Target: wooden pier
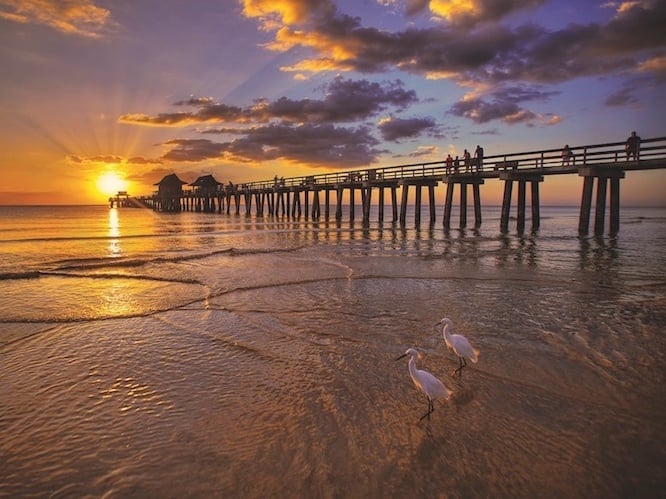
603,164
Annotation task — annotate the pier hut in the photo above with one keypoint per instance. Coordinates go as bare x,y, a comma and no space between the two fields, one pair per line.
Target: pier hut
169,193
120,199
205,193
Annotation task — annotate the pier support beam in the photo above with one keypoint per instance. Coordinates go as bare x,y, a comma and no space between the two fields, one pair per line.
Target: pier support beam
463,181
522,179
602,175
419,185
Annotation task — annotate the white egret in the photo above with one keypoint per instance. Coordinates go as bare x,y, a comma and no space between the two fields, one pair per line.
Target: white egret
425,382
459,344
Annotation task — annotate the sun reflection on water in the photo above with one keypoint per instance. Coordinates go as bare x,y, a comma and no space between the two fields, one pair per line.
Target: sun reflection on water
114,233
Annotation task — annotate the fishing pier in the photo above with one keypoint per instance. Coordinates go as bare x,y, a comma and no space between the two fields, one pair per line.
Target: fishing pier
601,166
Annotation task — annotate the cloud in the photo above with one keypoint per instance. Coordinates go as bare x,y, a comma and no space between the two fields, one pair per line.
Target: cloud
468,49
112,160
467,13
300,130
345,101
138,160
428,151
317,145
622,97
504,104
73,17
208,112
394,129
286,11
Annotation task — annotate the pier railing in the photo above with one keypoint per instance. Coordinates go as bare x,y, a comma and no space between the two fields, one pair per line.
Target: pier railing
548,162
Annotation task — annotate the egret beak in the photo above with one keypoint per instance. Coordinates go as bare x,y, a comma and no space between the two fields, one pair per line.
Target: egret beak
402,356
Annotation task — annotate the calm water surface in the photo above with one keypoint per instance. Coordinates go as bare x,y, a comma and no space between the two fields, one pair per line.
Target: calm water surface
192,355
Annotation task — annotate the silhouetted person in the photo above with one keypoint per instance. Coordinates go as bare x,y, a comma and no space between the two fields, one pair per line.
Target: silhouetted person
456,164
449,164
566,155
478,155
632,146
467,158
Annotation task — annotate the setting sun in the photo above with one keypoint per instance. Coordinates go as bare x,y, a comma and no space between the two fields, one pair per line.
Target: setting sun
110,183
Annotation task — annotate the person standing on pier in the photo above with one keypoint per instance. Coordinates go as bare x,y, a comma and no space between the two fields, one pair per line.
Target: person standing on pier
566,155
449,164
478,155
456,164
467,159
632,146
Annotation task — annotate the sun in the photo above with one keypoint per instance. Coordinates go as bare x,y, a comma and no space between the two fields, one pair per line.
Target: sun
109,183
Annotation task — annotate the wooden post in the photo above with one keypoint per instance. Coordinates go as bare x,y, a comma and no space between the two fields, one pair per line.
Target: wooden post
327,205
366,204
477,204
448,204
521,206
463,205
338,203
585,206
403,204
417,208
506,205
536,217
381,204
394,202
615,206
600,208
315,204
431,196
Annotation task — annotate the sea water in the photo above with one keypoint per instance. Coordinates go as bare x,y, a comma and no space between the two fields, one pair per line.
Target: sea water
210,355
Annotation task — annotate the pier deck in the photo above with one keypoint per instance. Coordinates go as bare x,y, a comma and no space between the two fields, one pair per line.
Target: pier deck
602,164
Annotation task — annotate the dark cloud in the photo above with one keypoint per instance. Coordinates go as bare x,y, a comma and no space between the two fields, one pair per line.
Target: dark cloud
295,130
622,97
504,104
208,112
318,145
481,111
488,53
345,101
394,129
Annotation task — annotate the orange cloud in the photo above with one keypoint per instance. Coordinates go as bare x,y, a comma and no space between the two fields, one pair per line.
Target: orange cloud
75,17
289,12
451,9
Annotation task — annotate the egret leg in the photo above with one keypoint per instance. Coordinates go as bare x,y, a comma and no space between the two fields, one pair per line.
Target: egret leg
431,409
463,363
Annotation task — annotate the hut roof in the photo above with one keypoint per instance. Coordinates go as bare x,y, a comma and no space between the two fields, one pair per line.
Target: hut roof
171,179
206,181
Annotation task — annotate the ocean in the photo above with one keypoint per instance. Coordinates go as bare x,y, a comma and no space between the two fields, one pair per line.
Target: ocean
145,354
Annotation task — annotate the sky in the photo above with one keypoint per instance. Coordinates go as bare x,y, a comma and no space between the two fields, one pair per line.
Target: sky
104,95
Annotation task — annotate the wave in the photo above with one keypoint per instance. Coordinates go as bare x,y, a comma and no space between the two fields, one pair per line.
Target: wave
115,262
52,239
31,274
